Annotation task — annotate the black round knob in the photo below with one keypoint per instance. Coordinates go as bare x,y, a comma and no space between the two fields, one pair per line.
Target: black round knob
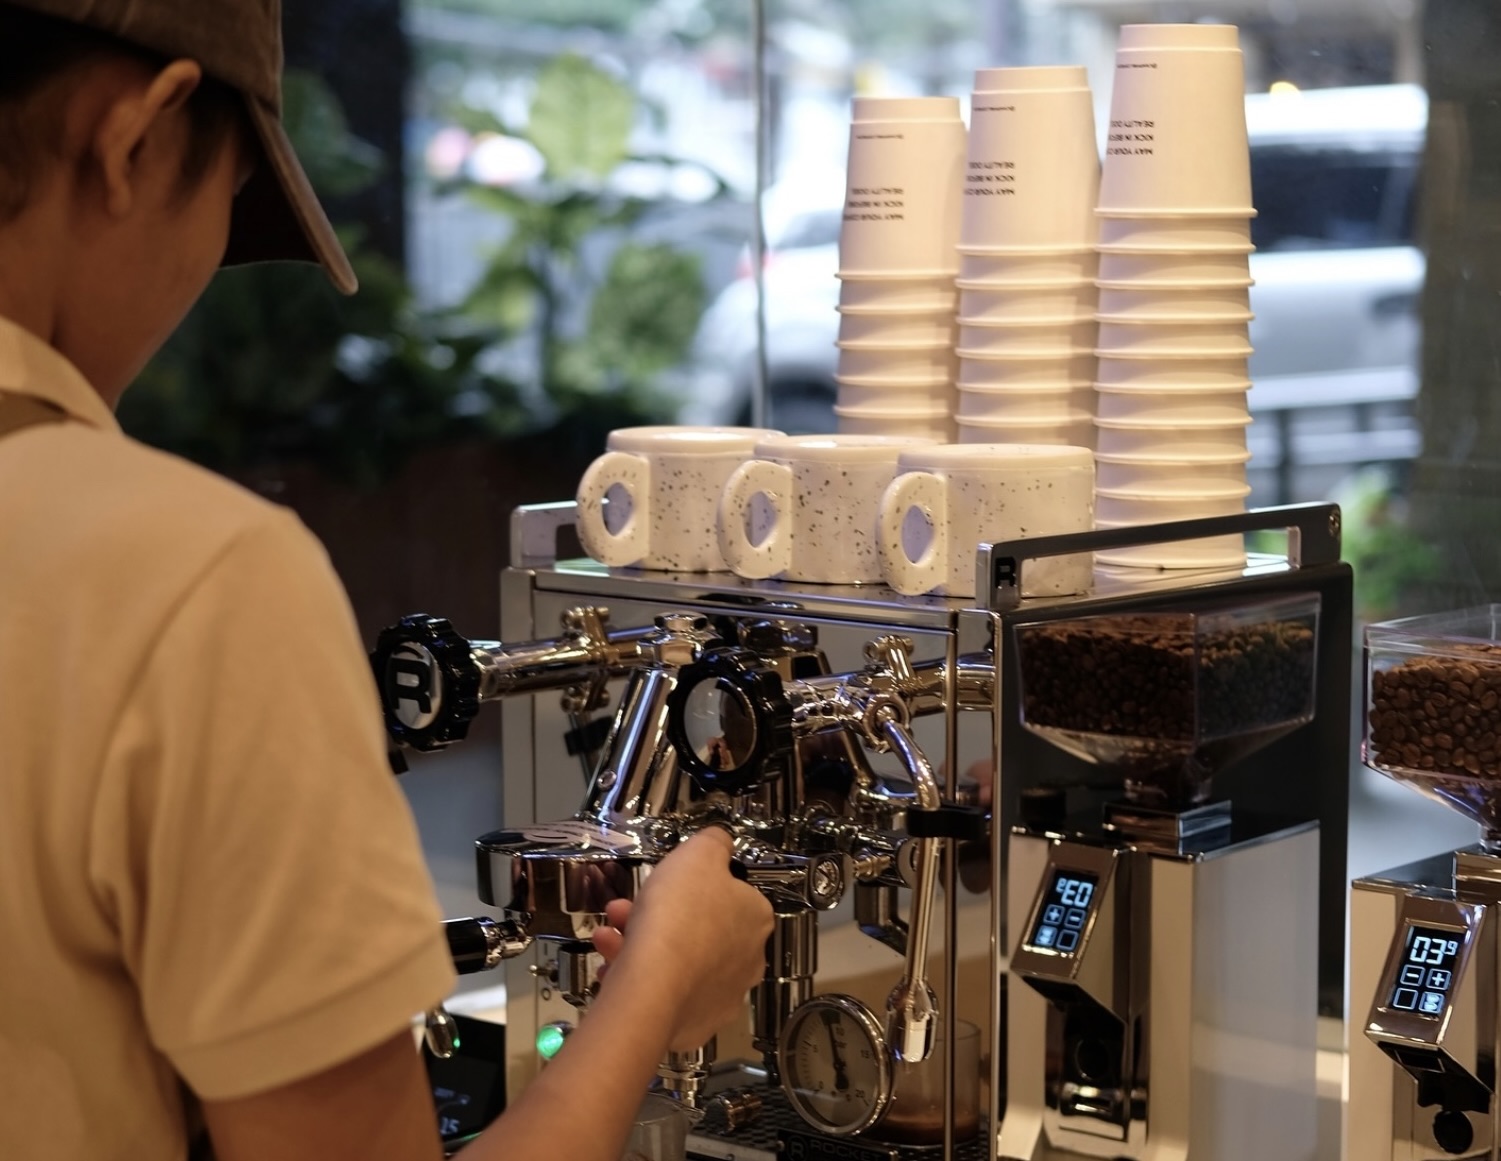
729,721
1452,1131
428,680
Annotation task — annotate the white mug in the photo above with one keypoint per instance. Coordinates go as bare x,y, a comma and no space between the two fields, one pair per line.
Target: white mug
821,493
974,493
669,479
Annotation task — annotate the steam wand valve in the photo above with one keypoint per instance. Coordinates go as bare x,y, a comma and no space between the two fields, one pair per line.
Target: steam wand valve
432,681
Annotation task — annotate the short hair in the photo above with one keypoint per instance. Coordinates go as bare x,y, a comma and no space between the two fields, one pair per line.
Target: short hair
36,50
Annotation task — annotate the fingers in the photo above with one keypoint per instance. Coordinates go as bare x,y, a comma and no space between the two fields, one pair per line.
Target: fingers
618,913
608,942
716,835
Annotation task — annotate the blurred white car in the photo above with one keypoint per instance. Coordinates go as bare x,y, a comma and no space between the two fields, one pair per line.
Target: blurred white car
1334,175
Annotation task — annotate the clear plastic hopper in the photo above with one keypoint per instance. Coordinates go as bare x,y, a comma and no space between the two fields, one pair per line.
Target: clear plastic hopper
1169,699
1433,710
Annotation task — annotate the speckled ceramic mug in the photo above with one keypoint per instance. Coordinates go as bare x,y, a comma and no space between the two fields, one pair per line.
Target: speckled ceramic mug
820,495
652,500
948,500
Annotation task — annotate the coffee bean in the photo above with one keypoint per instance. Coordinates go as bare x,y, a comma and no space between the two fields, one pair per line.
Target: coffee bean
1438,714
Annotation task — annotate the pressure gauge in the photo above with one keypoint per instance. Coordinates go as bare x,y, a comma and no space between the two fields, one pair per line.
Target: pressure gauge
835,1065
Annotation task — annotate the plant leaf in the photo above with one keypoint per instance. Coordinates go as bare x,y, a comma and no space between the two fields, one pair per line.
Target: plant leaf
581,119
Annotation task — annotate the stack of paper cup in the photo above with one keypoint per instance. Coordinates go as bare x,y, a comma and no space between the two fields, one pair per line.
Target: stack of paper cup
1174,282
896,267
1026,260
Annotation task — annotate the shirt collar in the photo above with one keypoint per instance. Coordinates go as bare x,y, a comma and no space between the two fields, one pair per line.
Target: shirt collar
28,366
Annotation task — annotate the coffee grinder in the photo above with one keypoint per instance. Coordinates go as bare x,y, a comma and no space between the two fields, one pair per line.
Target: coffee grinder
1425,1021
1164,973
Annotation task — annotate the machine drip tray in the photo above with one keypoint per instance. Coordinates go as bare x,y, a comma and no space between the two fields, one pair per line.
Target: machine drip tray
779,1126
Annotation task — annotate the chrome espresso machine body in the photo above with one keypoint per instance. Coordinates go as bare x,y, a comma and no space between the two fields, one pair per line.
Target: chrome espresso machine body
871,752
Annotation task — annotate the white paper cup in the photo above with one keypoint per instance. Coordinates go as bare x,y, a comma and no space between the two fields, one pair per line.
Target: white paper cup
1173,372
962,496
980,370
1170,477
1173,406
922,328
667,480
1069,405
1007,304
1045,432
1040,337
896,361
1229,490
904,178
1023,268
1176,139
1147,337
897,396
1209,552
1181,269
1179,441
935,293
1153,303
864,110
1169,231
1031,79
922,423
1117,510
821,497
1032,171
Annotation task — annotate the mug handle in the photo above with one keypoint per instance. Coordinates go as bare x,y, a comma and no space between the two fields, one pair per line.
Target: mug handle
927,492
632,473
774,554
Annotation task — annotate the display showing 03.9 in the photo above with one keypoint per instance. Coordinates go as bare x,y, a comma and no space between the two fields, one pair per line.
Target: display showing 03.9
1425,977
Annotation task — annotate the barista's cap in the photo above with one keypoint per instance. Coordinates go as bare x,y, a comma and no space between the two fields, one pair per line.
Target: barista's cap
277,215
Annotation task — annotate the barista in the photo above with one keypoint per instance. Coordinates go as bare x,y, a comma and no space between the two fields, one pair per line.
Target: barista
216,917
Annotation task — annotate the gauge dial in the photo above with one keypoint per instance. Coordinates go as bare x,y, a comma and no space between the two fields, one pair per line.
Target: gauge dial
836,1068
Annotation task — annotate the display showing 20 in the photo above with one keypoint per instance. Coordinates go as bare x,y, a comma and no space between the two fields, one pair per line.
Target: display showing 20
1074,892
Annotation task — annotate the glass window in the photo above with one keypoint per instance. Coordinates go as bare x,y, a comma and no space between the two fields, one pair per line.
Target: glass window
550,209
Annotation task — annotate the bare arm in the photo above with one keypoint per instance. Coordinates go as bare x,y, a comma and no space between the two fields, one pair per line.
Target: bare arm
694,947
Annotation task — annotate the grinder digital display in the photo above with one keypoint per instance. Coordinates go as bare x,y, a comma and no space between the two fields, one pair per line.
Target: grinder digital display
1425,973
1064,913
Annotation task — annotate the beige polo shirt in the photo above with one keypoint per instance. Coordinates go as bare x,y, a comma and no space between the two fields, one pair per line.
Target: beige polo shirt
207,872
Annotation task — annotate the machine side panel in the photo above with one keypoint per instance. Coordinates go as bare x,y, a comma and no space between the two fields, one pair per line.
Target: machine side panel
1255,991
1021,1133
519,801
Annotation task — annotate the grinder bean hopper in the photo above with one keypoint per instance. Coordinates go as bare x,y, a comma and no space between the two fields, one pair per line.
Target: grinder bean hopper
1167,947
1425,1019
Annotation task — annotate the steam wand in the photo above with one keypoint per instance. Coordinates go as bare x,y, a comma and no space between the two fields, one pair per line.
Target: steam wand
912,1007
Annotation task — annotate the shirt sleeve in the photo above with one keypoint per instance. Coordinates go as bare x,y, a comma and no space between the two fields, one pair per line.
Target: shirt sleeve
249,842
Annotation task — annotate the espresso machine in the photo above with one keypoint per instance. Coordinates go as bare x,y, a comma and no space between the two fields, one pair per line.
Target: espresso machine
1425,1018
869,751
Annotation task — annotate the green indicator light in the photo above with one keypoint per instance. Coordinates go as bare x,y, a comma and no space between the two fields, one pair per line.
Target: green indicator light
549,1040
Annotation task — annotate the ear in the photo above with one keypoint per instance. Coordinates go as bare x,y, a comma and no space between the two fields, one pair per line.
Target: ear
138,118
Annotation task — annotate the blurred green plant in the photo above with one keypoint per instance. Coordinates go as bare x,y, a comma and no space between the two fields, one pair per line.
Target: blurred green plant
273,365
644,309
1391,562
